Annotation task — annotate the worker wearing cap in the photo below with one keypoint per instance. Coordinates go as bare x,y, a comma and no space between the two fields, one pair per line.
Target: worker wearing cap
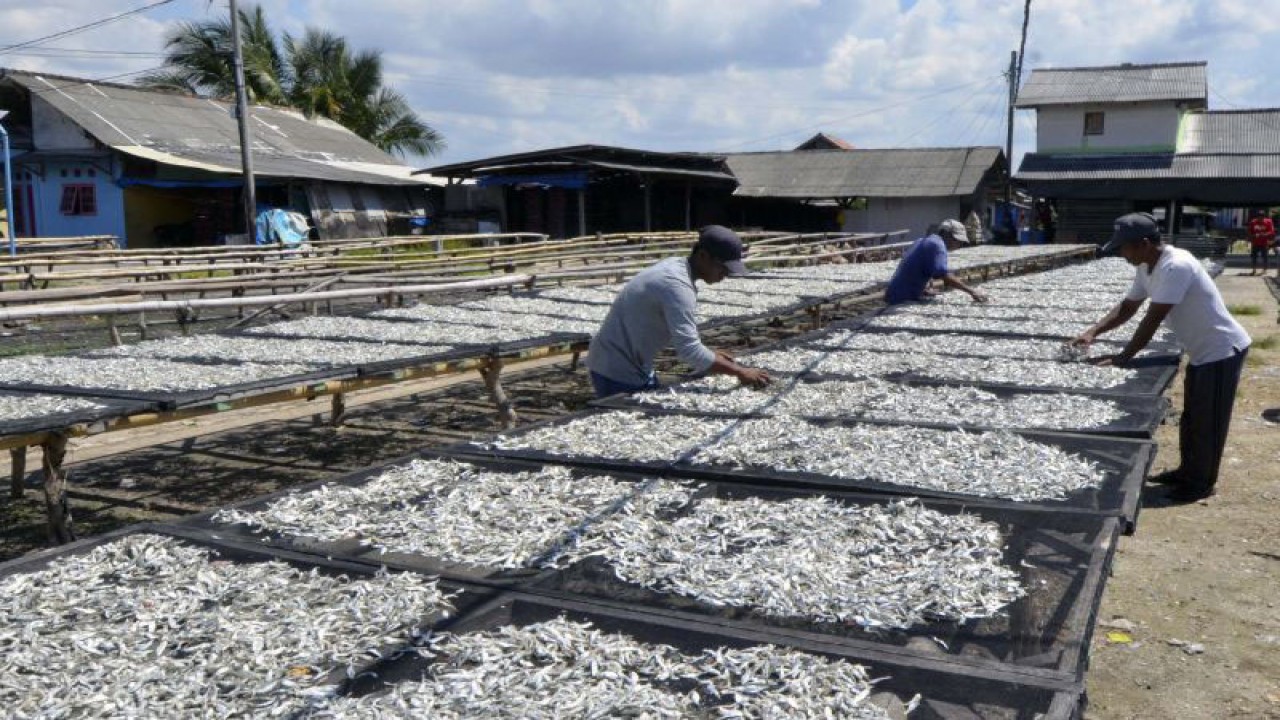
1183,297
656,309
926,260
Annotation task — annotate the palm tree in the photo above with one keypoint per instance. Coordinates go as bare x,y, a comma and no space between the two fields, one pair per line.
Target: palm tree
317,74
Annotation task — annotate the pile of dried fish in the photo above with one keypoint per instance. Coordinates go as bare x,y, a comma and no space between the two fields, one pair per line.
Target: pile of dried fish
782,361
456,512
717,393
990,464
970,345
560,668
368,330
139,374
22,406
1026,373
1041,297
149,626
999,312
538,306
618,435
892,566
1063,328
597,294
880,400
321,353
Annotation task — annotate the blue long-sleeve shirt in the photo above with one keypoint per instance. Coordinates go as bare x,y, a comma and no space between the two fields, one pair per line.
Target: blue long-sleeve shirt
925,260
655,309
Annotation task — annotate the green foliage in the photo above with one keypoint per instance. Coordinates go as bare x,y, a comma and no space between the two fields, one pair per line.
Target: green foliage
316,73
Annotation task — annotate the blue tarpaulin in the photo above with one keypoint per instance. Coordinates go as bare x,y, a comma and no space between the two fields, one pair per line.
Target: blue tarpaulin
569,180
151,182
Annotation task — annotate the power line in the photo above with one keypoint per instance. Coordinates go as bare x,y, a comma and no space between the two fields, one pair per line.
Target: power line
82,28
78,52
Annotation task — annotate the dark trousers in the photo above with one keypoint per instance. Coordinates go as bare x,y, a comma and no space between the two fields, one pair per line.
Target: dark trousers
1209,392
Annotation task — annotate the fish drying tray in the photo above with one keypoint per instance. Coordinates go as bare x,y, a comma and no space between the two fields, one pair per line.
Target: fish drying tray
948,690
1124,463
1063,561
174,399
1142,413
352,550
110,409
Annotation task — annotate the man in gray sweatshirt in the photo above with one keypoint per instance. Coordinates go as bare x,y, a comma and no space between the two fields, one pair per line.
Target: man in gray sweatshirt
656,309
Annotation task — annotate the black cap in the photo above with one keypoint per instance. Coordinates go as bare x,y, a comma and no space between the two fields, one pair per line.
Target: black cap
1132,228
724,245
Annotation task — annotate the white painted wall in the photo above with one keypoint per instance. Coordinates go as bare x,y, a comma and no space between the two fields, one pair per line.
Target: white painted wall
912,214
1126,125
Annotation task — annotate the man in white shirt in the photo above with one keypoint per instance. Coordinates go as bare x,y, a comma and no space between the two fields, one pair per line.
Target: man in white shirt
1184,297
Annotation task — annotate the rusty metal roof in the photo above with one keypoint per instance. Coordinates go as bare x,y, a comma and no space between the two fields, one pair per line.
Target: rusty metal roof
823,174
1177,82
201,134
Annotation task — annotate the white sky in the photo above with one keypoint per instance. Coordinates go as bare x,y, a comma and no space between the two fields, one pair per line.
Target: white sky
504,76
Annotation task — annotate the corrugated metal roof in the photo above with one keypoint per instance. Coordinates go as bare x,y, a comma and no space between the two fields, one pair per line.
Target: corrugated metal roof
1199,166
816,174
199,133
1231,131
1187,82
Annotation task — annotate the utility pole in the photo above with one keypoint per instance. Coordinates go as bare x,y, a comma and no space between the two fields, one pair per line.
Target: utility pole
242,117
1008,138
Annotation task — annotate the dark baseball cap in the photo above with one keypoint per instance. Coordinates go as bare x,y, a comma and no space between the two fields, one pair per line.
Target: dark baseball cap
1132,228
724,245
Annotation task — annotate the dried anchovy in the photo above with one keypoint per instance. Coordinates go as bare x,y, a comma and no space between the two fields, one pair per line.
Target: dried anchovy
718,393
598,294
972,345
453,511
141,374
561,668
880,400
22,407
989,464
524,305
999,312
782,361
324,353
1098,302
387,331
149,626
1059,328
895,566
617,435
1027,373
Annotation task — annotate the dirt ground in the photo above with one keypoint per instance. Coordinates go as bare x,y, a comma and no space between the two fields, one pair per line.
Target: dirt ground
1190,621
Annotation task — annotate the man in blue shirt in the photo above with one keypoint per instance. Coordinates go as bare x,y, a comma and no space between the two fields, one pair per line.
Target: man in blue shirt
926,260
656,309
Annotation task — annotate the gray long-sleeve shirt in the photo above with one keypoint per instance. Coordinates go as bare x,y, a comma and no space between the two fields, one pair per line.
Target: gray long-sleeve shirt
655,309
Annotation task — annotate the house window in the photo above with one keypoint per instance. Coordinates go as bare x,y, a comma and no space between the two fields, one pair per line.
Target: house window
1093,123
79,200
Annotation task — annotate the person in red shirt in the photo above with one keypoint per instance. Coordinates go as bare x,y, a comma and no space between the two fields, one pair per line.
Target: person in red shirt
1262,232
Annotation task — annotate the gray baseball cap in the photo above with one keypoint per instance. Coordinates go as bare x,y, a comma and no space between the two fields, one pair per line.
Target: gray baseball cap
956,230
1132,228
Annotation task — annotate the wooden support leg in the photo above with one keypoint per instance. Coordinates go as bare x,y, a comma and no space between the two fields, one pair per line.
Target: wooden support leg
114,330
573,362
491,371
18,471
55,490
339,409
815,315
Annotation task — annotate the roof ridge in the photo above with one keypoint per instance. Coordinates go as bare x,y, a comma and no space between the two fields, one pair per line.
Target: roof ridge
1125,66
